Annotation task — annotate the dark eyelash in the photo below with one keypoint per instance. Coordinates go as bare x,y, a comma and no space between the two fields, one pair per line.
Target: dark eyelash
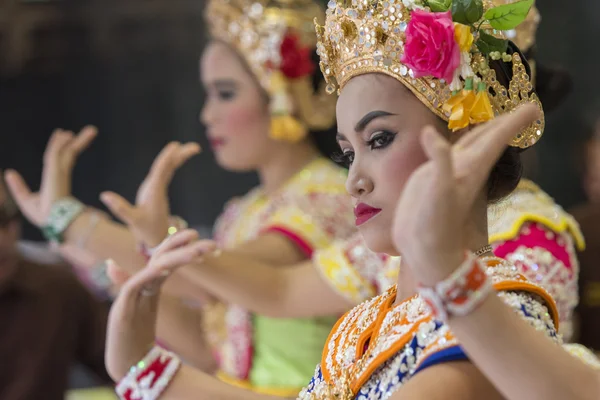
386,136
342,159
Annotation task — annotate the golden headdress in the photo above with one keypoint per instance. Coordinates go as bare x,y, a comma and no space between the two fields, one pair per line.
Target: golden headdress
439,49
276,38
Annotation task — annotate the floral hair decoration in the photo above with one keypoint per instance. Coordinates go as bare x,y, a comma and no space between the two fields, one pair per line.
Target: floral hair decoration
442,50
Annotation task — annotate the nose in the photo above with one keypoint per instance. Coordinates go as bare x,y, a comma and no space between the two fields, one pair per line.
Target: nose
358,183
207,114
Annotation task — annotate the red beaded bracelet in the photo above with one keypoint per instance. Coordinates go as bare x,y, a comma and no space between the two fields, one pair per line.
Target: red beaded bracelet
459,294
149,378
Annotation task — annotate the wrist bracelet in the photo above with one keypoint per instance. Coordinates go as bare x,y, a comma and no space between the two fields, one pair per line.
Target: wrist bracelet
459,294
149,378
62,214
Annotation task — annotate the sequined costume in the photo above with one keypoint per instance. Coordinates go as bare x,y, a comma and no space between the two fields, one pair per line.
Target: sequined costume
378,346
535,234
270,355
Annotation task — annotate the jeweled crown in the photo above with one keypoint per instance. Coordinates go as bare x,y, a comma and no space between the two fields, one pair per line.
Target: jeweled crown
455,80
256,28
276,38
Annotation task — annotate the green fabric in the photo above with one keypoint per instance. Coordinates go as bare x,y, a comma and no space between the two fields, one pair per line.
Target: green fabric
286,351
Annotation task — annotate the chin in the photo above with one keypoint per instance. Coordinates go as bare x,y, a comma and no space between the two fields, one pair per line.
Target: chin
233,164
377,241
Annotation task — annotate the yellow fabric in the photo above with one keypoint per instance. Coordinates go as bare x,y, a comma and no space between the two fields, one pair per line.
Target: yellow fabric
92,394
342,275
278,392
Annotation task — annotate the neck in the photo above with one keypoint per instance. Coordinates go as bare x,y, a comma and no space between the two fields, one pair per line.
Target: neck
285,162
476,238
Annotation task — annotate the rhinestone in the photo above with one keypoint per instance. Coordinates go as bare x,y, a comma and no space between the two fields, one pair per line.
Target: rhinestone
403,70
331,4
256,10
403,26
392,18
411,73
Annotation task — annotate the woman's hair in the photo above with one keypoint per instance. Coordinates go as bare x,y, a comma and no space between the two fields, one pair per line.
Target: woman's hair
324,140
507,173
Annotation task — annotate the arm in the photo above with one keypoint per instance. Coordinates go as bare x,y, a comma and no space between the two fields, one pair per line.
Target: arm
520,361
179,328
91,333
289,287
453,380
191,384
108,239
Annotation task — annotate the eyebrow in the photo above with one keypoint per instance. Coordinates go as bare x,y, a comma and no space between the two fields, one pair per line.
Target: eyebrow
364,121
226,83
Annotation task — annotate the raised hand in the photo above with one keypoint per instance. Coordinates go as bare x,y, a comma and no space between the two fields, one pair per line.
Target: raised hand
132,320
59,159
149,218
429,225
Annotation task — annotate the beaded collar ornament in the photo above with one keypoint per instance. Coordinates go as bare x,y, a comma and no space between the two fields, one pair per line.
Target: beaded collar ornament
276,38
439,49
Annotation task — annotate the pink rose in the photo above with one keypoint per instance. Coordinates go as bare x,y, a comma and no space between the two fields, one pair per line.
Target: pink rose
430,48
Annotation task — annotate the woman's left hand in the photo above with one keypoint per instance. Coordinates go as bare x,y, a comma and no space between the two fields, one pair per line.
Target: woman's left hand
132,321
437,199
148,219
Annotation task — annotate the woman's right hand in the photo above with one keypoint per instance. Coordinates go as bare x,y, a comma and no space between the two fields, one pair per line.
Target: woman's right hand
59,159
148,219
131,329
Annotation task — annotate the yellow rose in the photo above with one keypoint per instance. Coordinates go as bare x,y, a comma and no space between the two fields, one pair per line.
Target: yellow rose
482,108
463,36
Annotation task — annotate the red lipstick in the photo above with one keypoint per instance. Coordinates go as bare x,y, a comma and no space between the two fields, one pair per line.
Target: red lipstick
364,212
215,143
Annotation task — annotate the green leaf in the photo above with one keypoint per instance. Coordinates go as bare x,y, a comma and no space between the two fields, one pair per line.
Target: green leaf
439,5
467,12
488,44
508,16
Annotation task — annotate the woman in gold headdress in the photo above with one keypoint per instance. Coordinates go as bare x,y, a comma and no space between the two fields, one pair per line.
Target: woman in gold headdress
263,99
407,70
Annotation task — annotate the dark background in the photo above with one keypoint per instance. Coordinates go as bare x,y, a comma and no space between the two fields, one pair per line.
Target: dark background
131,68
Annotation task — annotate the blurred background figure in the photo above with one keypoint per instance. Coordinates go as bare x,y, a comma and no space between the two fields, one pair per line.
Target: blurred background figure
588,216
50,320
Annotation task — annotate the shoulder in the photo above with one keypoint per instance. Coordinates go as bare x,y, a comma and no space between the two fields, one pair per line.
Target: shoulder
529,203
314,205
354,271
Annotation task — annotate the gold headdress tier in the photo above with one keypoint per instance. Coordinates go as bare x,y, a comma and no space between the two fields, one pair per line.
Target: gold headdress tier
256,29
444,62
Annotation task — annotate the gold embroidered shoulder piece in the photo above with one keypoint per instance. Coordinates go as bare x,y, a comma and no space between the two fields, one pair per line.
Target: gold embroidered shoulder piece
529,203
